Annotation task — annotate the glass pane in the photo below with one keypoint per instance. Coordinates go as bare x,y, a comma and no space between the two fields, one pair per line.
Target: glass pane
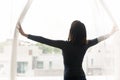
40,65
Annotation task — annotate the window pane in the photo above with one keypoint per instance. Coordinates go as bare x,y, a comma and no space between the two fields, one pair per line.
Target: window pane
22,67
40,64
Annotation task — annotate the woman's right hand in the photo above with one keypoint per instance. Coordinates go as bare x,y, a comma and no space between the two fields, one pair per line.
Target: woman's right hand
114,29
21,30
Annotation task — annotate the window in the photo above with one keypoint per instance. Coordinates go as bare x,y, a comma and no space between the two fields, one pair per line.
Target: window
1,67
1,49
53,21
22,67
34,62
92,61
30,52
50,64
40,64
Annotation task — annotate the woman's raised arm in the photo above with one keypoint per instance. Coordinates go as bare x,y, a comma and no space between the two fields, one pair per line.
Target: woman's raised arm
101,38
54,43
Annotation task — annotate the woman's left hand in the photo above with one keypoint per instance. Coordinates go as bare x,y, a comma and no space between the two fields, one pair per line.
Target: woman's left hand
21,30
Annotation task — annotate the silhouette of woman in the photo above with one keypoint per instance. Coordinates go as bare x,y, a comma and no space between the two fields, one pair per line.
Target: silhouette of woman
73,50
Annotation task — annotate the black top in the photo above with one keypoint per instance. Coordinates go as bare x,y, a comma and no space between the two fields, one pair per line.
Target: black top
72,54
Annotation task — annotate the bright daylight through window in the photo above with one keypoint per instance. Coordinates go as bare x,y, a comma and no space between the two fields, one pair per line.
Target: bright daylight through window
52,19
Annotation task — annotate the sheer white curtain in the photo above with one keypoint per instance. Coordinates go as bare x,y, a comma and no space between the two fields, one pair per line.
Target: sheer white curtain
109,18
13,72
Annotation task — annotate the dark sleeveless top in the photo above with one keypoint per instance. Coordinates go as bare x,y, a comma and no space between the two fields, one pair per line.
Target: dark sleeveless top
72,55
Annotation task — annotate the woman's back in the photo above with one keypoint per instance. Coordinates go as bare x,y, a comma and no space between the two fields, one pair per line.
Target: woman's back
73,57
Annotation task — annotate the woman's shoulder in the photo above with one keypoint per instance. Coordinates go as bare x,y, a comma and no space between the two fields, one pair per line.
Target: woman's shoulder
92,42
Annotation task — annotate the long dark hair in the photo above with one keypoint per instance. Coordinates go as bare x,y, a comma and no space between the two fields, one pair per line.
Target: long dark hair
77,34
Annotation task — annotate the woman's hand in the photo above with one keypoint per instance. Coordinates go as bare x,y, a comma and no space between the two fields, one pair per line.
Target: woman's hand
21,30
114,29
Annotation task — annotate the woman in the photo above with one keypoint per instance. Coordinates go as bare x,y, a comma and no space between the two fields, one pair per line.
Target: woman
73,50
